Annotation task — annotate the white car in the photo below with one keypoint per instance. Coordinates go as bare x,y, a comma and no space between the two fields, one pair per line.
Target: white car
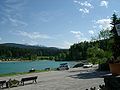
87,65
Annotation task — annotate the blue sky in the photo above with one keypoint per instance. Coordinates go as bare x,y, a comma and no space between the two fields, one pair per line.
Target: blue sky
54,23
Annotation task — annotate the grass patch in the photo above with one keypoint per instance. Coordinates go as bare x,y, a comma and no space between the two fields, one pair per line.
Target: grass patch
22,73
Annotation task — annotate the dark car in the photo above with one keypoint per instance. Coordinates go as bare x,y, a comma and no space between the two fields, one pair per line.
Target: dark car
78,65
63,66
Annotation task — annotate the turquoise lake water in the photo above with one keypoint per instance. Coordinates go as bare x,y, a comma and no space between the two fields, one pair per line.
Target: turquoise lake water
11,67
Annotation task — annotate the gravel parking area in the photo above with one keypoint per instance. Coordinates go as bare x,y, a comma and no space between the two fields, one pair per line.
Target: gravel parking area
73,79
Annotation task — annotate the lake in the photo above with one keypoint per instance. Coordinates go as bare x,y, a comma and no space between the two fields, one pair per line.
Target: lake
11,67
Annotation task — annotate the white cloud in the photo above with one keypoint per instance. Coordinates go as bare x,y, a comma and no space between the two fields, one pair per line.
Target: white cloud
86,4
94,27
23,40
104,3
116,11
77,34
84,10
75,1
17,22
12,12
15,4
34,35
104,23
33,42
82,39
80,36
91,32
66,45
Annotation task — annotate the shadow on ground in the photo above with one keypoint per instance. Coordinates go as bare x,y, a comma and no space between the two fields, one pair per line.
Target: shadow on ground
89,75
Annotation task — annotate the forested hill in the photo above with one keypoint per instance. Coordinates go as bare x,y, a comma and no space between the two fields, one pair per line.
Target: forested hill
25,46
12,50
78,51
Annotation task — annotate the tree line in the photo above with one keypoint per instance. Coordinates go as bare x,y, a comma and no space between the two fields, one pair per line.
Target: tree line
76,52
11,51
100,48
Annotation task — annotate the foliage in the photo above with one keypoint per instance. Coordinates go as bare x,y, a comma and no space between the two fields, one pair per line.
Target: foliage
78,51
94,54
116,38
104,34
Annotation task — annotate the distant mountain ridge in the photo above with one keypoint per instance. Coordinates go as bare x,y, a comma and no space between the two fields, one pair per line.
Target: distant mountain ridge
25,46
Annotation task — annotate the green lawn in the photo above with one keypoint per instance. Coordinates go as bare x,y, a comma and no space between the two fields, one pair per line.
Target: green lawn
22,73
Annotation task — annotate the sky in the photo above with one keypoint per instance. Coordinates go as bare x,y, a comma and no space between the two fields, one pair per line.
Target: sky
54,23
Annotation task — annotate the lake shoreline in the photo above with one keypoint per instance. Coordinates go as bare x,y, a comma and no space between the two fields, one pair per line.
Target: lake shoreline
41,60
23,60
25,66
22,73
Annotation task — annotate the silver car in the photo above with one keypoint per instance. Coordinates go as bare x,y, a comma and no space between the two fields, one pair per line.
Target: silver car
63,66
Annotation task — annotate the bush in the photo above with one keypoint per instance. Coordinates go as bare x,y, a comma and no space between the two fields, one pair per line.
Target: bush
104,67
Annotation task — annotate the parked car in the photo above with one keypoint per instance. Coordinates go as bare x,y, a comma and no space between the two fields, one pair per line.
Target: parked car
63,66
87,65
78,65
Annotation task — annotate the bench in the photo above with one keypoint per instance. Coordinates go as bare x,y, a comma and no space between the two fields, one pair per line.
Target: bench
2,83
29,79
